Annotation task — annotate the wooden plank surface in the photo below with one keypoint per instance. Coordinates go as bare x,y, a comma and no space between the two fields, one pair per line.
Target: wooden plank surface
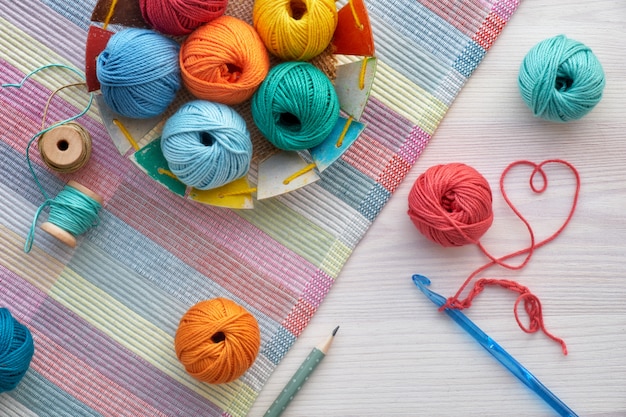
394,354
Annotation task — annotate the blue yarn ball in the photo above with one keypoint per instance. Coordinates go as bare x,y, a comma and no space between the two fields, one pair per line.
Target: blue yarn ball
206,144
139,73
560,79
296,106
16,350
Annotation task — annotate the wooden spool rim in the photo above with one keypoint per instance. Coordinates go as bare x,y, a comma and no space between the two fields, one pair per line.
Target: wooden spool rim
86,191
62,235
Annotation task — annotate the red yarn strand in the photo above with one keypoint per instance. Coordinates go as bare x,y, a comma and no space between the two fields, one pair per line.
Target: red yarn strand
532,305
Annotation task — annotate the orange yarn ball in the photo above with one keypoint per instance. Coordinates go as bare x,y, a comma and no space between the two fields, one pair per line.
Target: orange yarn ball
451,204
224,61
217,340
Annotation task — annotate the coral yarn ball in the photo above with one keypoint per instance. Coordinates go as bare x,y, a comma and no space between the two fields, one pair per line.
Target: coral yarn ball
451,204
295,30
217,340
180,17
224,61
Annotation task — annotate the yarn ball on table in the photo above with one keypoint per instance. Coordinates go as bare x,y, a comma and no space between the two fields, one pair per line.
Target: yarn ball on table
451,204
206,144
138,73
217,340
16,350
180,17
560,79
224,61
296,107
295,30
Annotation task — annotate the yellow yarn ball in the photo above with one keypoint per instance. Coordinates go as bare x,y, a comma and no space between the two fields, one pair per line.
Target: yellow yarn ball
295,30
217,340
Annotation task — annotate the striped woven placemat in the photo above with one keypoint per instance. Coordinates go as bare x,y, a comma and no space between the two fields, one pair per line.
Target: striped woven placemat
103,315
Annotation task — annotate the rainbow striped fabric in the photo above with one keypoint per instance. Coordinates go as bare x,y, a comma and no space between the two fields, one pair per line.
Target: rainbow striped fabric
103,315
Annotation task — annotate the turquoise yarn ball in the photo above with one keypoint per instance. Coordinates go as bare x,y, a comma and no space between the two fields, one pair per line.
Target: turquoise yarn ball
139,73
560,79
296,106
206,144
16,350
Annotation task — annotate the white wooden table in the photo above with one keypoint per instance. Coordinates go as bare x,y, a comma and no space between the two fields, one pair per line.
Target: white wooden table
395,354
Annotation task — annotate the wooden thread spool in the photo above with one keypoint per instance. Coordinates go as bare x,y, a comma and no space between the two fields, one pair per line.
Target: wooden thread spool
66,148
61,234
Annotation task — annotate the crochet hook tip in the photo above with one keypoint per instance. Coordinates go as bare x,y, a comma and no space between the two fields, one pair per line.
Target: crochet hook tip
422,283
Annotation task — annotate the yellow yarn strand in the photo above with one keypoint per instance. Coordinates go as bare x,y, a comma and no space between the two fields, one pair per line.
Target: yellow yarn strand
343,132
357,21
167,172
109,16
126,134
299,173
362,73
240,192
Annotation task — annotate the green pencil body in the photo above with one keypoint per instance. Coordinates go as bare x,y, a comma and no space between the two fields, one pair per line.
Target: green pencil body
299,378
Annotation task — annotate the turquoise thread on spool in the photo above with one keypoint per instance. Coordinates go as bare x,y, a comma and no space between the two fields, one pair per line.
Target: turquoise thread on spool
76,208
16,350
206,144
139,73
560,79
73,212
296,106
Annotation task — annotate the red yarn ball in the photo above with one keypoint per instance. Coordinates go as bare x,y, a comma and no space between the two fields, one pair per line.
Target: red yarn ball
180,17
451,204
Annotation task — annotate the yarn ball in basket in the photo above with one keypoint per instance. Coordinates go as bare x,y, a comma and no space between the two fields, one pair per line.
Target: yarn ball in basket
224,61
296,107
16,350
138,73
180,17
451,204
206,144
560,79
295,30
217,340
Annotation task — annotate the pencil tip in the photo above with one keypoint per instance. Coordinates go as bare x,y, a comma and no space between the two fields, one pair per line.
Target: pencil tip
335,331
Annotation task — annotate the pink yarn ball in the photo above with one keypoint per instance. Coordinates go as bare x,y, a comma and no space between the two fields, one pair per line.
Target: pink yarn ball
180,17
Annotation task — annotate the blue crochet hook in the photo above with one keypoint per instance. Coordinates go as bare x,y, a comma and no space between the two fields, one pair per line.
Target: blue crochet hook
496,350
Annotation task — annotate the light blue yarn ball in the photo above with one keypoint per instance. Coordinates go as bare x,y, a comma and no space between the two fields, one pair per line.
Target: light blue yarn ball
16,351
296,106
139,73
206,144
560,79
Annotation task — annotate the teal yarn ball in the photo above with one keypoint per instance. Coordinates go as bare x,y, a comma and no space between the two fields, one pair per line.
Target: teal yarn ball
560,79
206,144
139,73
16,350
296,106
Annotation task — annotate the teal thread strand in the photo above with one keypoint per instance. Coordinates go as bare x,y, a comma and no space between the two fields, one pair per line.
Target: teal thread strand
71,210
41,132
560,79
